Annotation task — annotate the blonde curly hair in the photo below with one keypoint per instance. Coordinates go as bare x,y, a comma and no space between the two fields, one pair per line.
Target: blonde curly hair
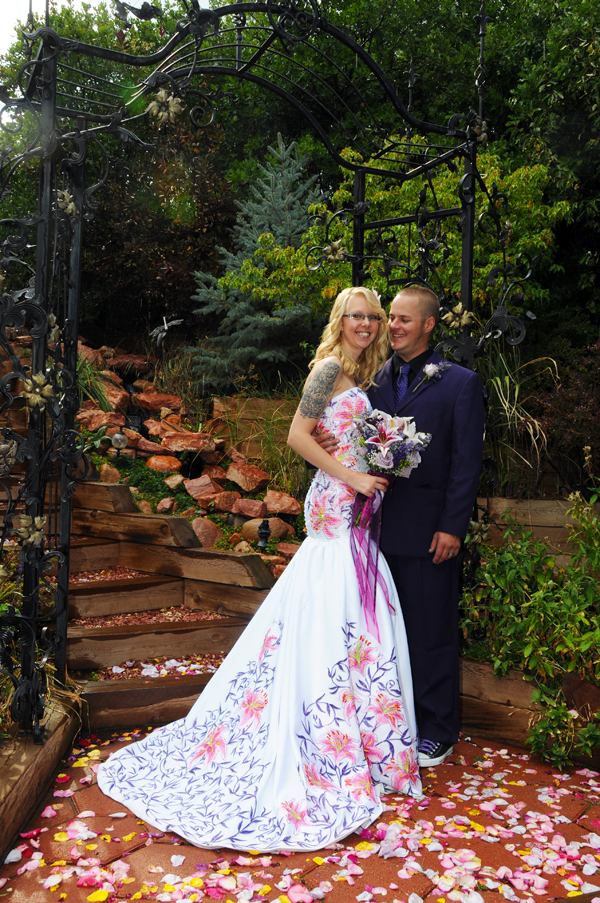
372,358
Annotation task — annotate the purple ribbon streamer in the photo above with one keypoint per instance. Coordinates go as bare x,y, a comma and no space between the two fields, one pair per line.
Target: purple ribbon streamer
364,542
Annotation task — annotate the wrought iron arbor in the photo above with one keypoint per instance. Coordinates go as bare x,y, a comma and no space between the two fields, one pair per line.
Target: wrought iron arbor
71,96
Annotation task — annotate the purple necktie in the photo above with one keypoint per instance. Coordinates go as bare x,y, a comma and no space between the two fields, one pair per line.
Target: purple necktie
401,385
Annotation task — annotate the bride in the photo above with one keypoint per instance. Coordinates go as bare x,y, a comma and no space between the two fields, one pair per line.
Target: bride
310,717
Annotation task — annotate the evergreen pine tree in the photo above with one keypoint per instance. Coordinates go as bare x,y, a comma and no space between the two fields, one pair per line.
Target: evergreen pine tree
255,334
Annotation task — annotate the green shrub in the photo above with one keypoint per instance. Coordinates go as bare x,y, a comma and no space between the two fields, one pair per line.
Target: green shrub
526,613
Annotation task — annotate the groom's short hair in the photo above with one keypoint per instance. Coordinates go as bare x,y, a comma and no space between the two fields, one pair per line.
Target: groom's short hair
428,300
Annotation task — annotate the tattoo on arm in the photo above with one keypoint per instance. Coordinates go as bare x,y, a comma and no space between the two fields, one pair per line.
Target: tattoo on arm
318,392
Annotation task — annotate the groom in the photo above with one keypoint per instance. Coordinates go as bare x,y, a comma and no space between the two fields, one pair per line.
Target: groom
426,516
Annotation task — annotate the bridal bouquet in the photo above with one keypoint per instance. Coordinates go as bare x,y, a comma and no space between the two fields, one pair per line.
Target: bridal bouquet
390,445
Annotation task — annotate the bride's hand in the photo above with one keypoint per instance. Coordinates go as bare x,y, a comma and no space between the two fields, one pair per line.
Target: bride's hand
366,483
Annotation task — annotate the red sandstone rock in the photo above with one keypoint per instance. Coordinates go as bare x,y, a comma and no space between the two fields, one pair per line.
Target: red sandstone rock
279,529
214,457
186,441
225,501
142,385
234,538
94,420
150,448
234,455
132,363
166,506
118,399
207,532
145,507
109,376
287,549
243,546
95,357
133,437
248,477
206,500
277,570
281,503
250,508
163,463
189,512
109,474
202,486
154,427
176,480
154,401
215,472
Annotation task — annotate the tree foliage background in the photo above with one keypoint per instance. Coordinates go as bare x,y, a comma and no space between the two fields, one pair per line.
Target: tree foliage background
164,216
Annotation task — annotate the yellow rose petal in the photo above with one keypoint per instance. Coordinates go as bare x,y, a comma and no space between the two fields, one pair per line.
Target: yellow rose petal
168,888
98,896
61,836
196,882
129,837
318,860
265,889
91,846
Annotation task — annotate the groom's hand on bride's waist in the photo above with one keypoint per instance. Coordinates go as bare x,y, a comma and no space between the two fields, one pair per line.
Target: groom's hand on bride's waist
444,546
327,441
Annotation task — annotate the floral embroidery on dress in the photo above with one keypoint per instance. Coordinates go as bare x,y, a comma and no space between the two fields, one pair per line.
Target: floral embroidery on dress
211,745
252,707
328,506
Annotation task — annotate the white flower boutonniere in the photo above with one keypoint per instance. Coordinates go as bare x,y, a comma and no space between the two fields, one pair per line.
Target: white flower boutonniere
432,371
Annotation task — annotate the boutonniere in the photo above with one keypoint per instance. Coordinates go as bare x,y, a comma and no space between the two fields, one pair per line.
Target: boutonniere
432,371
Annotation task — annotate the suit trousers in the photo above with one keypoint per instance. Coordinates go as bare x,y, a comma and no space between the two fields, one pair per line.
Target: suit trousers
429,599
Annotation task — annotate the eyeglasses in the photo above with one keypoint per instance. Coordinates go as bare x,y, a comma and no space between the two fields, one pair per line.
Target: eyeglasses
372,318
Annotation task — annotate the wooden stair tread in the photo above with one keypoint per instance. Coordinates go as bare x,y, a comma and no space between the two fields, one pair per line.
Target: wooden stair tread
101,647
125,596
128,703
95,587
208,565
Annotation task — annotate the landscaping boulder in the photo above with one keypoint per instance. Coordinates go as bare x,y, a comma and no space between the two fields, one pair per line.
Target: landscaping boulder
145,506
287,549
150,448
131,363
279,529
201,486
187,441
95,419
235,456
117,398
155,427
109,474
224,501
250,508
166,506
94,357
243,546
154,401
248,477
211,457
215,472
207,532
281,503
163,463
133,437
176,480
141,385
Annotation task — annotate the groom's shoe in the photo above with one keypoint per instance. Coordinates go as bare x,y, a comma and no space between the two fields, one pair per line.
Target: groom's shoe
431,753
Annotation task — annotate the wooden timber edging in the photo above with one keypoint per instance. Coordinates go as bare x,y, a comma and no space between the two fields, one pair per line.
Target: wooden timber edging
102,647
27,770
495,708
547,519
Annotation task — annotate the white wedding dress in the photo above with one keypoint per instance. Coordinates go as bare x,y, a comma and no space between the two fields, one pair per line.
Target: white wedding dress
308,718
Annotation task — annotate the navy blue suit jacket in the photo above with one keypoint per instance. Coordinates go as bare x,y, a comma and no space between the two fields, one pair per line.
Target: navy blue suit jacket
438,495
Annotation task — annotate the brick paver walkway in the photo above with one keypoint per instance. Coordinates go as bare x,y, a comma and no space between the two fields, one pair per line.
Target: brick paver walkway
495,825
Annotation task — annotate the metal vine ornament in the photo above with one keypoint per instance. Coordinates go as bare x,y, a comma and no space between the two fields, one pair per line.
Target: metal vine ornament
74,112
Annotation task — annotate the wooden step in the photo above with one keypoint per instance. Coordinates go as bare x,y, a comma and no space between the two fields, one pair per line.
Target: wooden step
115,497
134,703
232,568
111,597
88,554
223,599
102,647
142,528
